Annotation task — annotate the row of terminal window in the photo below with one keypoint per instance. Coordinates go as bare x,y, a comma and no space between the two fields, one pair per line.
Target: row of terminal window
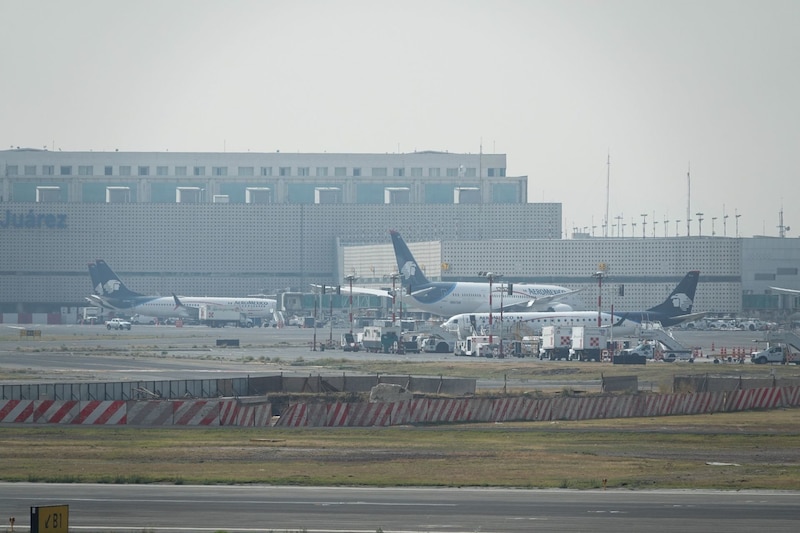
144,170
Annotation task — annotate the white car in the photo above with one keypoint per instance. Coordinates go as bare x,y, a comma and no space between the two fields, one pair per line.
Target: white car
118,323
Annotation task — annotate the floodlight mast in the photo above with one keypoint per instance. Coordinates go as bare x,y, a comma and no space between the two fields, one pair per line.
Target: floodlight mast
600,274
350,279
491,276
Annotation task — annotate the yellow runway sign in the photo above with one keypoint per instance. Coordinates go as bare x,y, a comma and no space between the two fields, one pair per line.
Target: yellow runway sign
50,519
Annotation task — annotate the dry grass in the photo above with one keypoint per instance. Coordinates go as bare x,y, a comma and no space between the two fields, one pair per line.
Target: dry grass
759,450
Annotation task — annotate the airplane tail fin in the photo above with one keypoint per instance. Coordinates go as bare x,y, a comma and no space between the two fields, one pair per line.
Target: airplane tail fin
97,285
410,272
107,283
681,299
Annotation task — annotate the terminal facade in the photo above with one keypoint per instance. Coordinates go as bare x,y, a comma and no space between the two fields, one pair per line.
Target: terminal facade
233,224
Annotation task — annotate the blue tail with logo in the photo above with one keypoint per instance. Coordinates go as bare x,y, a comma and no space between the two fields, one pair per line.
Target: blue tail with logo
410,271
681,299
107,283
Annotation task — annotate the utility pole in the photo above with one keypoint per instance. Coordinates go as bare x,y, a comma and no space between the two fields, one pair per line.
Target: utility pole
350,279
491,276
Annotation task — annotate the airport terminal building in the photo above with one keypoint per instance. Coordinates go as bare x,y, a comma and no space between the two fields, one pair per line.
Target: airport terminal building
233,224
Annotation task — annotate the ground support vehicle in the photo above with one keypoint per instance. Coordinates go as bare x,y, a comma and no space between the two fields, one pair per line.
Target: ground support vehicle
215,317
380,338
774,354
349,343
118,323
472,345
435,343
142,319
556,342
90,316
588,343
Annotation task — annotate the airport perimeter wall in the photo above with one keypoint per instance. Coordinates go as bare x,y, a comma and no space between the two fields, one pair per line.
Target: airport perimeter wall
257,412
230,387
729,384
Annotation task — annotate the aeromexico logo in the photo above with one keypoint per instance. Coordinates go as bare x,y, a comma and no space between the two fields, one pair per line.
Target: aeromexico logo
409,270
31,220
682,301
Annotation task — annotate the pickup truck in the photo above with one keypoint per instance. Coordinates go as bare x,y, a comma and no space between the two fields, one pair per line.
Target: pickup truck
773,354
118,323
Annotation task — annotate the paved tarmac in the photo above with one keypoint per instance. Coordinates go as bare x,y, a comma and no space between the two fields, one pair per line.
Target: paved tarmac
173,508
93,353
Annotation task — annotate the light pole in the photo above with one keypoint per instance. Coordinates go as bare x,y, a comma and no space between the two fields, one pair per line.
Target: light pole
619,224
666,223
321,291
737,215
677,222
713,233
350,279
600,274
644,224
395,276
699,223
491,276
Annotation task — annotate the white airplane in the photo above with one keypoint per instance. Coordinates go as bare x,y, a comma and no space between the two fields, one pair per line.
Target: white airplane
111,293
448,298
675,309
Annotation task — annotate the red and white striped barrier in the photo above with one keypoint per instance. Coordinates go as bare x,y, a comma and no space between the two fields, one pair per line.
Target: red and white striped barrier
293,416
55,412
195,413
791,396
101,413
16,411
149,413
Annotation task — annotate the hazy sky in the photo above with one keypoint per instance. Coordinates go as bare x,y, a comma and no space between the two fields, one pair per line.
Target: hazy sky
663,86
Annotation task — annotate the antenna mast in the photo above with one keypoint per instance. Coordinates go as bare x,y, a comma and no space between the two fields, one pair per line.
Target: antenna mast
689,200
608,191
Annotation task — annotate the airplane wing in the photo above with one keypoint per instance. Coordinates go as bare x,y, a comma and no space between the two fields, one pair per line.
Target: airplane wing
785,291
690,316
357,290
521,306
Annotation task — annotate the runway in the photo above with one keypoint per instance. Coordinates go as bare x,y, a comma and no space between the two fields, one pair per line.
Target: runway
161,509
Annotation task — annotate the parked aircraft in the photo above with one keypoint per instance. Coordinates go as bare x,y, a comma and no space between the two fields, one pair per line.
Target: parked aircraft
448,298
111,293
675,309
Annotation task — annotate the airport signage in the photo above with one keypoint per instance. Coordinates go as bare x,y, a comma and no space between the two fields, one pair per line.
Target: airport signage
50,519
31,220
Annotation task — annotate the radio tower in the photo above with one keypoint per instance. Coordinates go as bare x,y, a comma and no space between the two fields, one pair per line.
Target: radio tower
689,200
608,191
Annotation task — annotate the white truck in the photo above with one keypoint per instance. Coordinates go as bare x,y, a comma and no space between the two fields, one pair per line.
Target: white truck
215,317
380,338
142,319
475,346
90,315
588,343
773,354
118,323
645,349
556,342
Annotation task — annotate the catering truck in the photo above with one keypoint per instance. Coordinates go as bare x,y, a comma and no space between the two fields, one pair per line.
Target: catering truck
556,342
588,343
213,316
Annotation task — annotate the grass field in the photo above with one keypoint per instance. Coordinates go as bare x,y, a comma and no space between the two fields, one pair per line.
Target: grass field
750,450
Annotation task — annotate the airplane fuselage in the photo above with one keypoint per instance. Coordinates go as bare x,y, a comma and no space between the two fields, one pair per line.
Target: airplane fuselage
164,306
533,322
448,299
